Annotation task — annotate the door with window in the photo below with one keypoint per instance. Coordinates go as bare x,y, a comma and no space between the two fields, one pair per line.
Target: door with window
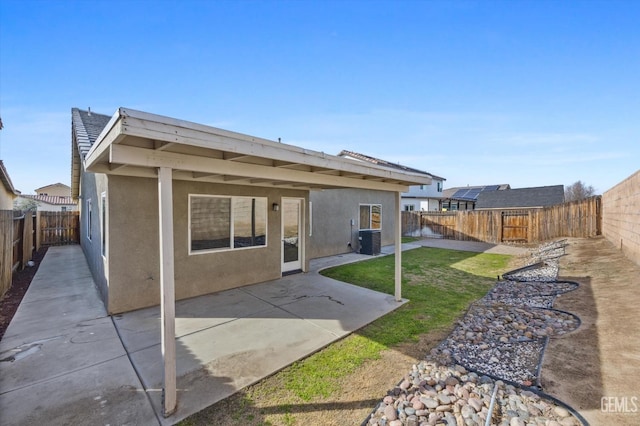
292,234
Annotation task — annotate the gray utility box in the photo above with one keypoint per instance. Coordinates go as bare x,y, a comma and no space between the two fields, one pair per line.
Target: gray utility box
370,242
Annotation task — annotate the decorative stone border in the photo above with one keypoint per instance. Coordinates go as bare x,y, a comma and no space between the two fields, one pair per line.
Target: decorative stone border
500,339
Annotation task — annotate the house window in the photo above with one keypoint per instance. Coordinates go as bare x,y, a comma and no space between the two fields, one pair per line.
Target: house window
89,219
226,223
421,186
63,208
370,216
439,186
103,236
409,208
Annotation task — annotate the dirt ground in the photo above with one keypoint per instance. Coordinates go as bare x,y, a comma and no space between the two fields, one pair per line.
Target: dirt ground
596,369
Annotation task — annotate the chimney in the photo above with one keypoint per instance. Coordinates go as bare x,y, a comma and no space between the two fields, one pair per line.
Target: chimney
88,110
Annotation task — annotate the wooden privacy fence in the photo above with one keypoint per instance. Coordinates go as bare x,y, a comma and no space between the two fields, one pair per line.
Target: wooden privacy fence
59,228
581,218
17,243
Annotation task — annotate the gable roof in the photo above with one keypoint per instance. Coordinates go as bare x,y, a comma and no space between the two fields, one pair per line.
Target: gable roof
52,185
6,180
55,200
86,126
470,193
541,196
384,163
137,143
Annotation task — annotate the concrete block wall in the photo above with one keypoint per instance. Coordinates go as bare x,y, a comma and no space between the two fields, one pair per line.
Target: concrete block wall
621,216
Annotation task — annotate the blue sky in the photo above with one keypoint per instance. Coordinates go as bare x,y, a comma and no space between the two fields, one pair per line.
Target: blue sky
479,92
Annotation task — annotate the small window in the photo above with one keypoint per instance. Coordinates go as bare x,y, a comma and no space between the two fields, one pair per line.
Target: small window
439,186
226,223
103,236
89,219
370,216
63,208
409,208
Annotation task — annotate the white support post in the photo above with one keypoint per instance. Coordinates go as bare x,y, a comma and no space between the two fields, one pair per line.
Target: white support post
167,290
398,249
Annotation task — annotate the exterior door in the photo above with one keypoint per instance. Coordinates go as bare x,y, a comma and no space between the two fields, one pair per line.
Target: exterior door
292,234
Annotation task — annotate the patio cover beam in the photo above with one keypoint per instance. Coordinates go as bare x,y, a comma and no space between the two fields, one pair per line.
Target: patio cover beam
167,289
141,157
398,248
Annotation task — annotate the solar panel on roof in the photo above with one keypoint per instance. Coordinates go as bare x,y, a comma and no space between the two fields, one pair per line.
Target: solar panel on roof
459,193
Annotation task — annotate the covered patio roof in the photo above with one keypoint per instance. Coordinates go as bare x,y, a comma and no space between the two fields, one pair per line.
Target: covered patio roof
136,143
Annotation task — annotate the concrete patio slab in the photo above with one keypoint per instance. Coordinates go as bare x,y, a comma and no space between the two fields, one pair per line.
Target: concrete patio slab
141,329
56,352
105,393
235,338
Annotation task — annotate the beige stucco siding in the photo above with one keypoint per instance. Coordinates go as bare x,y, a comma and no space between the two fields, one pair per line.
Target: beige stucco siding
6,198
133,244
333,211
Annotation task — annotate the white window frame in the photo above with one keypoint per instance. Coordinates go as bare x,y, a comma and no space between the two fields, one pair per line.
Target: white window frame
233,199
370,216
103,224
439,186
89,218
409,207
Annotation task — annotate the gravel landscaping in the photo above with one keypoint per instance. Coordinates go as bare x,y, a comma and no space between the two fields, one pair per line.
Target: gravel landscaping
487,370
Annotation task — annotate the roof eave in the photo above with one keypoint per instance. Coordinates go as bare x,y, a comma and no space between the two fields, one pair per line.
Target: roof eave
131,123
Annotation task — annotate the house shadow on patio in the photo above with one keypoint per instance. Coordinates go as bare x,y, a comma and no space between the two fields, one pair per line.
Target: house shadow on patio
229,340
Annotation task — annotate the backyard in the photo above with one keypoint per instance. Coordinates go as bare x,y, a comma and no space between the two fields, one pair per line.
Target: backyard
342,383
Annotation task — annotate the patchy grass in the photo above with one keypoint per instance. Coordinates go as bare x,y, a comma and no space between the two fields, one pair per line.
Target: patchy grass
409,239
440,284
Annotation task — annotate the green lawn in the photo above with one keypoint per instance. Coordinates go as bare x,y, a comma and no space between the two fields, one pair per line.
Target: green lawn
440,284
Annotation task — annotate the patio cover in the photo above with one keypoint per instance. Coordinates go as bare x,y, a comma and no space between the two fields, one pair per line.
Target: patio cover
136,143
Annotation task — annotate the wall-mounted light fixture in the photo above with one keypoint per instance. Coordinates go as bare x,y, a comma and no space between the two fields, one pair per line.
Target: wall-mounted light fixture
275,207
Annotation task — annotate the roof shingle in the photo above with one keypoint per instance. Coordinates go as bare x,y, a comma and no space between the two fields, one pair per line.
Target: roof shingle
541,196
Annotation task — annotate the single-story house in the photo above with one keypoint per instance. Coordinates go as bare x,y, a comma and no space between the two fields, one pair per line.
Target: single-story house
52,198
49,203
172,209
465,197
234,200
521,198
8,193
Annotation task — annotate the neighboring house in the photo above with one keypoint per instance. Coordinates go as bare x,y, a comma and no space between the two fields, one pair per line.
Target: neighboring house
521,198
56,189
48,203
419,197
166,202
7,193
465,197
50,198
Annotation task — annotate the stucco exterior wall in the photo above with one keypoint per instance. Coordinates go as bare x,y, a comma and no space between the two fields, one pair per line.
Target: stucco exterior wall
133,244
91,188
6,198
333,211
621,216
56,189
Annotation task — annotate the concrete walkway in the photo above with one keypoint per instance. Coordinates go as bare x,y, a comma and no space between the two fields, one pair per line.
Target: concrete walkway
63,360
474,246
